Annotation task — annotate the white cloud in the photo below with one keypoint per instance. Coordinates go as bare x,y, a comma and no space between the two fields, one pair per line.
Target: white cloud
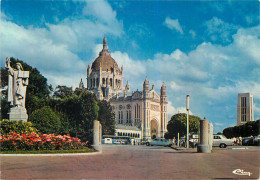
193,34
175,110
54,50
175,86
212,74
100,10
173,24
219,124
132,69
218,30
248,43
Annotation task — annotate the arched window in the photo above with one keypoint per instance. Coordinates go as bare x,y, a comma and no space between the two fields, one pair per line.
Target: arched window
103,81
97,82
111,82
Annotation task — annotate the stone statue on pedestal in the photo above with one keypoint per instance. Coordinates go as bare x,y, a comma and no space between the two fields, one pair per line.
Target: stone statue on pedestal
17,83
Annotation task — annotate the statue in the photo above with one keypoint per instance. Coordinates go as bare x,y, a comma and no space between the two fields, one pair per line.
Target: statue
17,83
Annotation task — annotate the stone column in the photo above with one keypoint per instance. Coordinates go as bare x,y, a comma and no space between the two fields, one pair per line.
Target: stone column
97,135
210,136
203,147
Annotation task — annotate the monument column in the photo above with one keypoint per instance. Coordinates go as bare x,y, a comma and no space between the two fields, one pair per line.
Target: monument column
18,80
203,147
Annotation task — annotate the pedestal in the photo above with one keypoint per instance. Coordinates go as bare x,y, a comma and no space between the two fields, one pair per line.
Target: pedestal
17,114
203,148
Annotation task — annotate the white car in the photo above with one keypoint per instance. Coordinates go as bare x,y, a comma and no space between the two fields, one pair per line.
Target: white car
221,141
160,142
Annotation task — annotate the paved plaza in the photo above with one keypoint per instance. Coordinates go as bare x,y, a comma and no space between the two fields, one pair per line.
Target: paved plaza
136,162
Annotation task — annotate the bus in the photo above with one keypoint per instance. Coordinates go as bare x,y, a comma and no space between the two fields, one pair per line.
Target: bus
110,139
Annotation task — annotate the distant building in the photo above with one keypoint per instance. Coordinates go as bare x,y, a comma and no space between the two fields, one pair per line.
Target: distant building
245,110
140,114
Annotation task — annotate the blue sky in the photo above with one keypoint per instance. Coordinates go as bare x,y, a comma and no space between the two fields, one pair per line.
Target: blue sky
207,49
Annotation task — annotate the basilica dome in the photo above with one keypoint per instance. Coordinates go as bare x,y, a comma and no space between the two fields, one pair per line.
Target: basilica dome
105,60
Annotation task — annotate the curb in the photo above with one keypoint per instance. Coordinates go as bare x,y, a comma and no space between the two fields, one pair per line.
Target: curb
65,154
179,148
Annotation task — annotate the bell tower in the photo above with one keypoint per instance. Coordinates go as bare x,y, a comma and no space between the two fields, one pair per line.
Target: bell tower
163,103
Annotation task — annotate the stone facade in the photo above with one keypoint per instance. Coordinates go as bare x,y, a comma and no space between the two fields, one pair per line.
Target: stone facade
142,112
146,110
245,110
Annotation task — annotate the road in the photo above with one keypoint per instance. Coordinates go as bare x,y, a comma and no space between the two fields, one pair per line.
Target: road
136,162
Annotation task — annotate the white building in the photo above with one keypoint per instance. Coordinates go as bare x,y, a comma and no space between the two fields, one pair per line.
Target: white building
140,114
245,110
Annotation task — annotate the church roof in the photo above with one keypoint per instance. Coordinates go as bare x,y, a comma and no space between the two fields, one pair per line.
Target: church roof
105,60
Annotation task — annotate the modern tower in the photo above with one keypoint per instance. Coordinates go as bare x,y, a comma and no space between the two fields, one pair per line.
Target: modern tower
245,110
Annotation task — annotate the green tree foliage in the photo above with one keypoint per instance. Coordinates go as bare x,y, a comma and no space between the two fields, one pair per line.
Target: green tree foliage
177,124
79,111
5,106
78,91
19,127
37,89
106,118
46,120
251,128
63,91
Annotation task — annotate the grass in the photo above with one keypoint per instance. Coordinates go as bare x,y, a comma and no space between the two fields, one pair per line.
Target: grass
85,150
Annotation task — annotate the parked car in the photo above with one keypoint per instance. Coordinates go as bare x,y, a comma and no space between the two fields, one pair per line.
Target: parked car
221,141
254,141
257,140
160,142
246,140
145,141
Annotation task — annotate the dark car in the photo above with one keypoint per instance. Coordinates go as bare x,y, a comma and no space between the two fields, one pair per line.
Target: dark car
255,141
251,141
246,140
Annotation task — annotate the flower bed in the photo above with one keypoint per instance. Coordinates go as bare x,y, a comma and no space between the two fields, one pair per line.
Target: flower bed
33,141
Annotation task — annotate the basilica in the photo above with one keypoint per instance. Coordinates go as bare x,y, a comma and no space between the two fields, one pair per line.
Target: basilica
138,114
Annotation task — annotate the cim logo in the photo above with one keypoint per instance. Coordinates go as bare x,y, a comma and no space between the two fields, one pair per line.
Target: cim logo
241,172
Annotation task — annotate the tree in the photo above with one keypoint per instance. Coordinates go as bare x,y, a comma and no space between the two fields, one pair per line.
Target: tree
177,124
46,120
5,106
251,128
81,111
106,118
63,91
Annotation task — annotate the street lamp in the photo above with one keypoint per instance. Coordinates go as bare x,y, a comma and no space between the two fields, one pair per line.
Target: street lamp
187,108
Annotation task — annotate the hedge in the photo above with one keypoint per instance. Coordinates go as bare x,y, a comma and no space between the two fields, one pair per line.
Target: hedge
251,128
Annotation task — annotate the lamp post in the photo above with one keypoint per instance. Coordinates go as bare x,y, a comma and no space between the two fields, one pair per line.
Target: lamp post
187,108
